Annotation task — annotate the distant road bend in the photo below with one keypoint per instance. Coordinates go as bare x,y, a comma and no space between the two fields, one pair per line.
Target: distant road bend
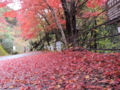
21,55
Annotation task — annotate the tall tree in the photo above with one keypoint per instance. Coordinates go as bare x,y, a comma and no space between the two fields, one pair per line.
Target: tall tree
36,13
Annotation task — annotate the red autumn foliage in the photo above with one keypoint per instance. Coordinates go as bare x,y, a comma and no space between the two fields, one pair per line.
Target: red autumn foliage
34,12
67,70
11,14
89,14
94,3
3,4
55,4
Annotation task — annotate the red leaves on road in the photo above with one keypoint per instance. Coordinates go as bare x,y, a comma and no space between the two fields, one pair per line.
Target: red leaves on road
67,70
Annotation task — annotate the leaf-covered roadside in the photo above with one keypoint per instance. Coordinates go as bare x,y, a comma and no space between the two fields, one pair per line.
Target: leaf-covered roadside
67,70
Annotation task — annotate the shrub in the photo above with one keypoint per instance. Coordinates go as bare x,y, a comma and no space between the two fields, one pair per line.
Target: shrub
8,45
2,51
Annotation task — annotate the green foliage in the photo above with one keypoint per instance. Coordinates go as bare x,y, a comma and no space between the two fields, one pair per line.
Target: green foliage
8,45
101,31
2,51
11,21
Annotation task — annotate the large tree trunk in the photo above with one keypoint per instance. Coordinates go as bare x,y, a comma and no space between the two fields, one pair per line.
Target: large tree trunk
67,17
69,12
73,22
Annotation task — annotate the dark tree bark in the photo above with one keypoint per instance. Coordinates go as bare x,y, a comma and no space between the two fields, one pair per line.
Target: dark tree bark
69,12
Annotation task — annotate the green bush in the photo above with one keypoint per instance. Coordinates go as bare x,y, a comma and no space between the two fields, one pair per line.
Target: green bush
2,51
8,45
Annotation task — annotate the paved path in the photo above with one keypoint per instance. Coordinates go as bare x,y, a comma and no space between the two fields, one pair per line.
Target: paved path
21,55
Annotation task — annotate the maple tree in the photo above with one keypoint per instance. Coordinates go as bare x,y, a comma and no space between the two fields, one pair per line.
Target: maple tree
10,32
36,13
70,69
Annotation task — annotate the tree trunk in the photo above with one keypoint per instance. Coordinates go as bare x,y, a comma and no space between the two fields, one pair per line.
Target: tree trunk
47,38
56,34
73,22
69,12
67,17
58,24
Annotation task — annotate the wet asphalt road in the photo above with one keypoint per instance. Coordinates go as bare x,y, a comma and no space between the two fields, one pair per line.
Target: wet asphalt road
21,55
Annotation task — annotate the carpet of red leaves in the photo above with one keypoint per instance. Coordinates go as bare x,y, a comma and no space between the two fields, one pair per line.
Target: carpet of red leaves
67,70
